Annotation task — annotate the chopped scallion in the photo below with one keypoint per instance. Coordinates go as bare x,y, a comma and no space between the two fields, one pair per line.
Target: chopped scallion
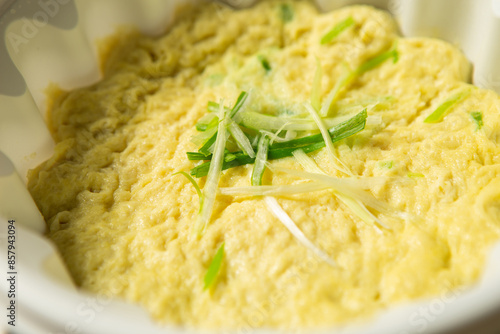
286,12
264,62
356,206
285,219
337,163
342,185
210,188
201,138
214,268
477,117
208,146
285,149
274,190
196,187
241,139
260,161
379,59
337,29
210,120
386,164
349,76
240,101
344,80
438,114
214,107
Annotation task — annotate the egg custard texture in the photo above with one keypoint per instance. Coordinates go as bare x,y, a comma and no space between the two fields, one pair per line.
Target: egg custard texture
123,220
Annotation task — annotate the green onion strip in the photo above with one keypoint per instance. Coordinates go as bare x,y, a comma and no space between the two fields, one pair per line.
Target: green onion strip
438,114
337,163
260,161
348,76
285,149
284,218
356,206
213,175
336,30
214,268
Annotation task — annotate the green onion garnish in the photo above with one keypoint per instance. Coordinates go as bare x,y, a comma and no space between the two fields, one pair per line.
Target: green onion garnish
349,76
264,62
214,268
240,101
201,138
196,186
356,206
344,81
386,164
438,114
379,59
285,149
213,174
260,161
342,185
286,12
415,175
210,120
214,107
284,218
207,147
337,163
336,30
477,117
241,139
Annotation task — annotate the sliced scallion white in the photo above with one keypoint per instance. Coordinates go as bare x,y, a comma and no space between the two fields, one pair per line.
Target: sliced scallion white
202,137
260,160
344,80
274,190
212,183
195,185
351,187
241,139
356,206
284,218
348,76
337,163
290,134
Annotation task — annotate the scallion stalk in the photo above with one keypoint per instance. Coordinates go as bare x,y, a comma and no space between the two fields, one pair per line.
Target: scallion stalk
213,175
356,206
260,161
210,120
214,268
285,149
241,139
337,29
477,117
337,163
195,185
349,76
264,62
285,219
438,114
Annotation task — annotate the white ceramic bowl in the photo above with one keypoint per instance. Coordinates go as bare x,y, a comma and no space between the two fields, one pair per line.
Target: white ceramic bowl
53,41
